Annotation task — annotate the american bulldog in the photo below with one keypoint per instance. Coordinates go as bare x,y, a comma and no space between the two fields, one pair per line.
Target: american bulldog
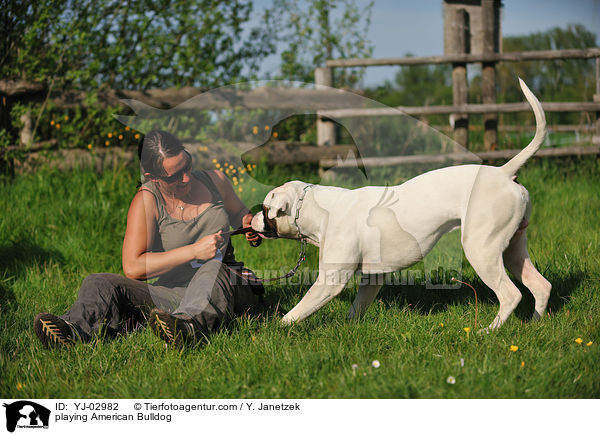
380,229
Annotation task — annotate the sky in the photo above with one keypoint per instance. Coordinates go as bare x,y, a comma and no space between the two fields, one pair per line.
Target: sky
399,27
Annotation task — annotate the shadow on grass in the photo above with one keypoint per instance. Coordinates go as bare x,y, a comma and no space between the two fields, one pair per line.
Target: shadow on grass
14,261
431,301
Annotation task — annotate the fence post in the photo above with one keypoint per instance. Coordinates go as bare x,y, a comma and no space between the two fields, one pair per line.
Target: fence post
325,128
490,17
457,41
26,134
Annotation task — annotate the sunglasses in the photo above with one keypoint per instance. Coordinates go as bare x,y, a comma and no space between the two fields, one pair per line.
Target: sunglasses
178,176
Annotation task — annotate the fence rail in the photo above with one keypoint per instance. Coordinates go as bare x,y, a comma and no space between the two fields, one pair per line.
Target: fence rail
463,109
517,56
458,157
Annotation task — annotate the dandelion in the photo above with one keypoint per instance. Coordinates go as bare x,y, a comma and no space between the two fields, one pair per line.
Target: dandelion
66,117
467,329
58,126
589,343
522,364
126,128
375,364
514,348
441,325
275,134
89,146
218,166
52,122
137,136
120,137
255,130
451,380
267,128
109,135
19,386
107,143
578,340
240,189
214,161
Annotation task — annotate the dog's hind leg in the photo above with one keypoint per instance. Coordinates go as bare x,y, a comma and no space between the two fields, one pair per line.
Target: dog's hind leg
487,262
517,261
367,291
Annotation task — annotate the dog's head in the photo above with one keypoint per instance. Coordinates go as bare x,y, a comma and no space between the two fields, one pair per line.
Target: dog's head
276,218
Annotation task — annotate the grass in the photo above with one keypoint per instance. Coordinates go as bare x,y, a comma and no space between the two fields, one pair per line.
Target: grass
59,227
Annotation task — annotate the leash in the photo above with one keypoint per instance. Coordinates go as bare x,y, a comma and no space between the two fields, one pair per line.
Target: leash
456,280
249,275
254,244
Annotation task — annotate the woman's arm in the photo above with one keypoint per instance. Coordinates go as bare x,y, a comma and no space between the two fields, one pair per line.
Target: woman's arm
138,262
239,215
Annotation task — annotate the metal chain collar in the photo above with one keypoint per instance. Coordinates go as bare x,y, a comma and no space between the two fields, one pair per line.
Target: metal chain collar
298,207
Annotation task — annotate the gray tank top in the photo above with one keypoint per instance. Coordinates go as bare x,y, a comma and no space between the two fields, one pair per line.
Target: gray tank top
173,233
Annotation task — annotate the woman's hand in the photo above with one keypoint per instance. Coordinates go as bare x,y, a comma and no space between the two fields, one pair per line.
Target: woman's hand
246,223
207,247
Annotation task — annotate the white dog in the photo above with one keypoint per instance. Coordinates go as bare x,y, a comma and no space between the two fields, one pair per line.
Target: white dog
384,229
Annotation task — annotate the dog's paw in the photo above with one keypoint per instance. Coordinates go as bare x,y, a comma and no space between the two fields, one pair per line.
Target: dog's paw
286,320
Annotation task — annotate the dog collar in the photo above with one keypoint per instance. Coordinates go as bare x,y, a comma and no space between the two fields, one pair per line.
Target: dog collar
298,207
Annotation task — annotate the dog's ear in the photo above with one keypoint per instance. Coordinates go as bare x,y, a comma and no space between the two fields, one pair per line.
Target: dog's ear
277,202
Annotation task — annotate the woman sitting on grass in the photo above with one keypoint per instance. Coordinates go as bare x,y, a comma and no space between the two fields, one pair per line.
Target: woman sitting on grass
175,227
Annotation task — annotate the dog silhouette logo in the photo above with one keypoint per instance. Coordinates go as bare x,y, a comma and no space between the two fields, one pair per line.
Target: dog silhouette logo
26,414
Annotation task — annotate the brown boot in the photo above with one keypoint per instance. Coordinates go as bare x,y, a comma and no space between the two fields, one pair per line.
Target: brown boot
175,330
54,331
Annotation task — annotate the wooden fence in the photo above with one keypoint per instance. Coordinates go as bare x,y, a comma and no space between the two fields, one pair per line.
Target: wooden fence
325,74
329,103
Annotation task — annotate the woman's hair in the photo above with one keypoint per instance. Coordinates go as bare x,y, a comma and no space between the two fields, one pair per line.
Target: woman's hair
154,147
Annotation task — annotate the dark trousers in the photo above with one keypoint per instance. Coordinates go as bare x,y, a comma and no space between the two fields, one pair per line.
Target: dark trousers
119,304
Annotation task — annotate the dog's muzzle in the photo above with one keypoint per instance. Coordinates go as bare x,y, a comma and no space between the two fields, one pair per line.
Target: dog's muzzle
269,226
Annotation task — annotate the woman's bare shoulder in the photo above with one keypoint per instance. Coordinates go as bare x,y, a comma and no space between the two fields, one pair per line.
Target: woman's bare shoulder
144,201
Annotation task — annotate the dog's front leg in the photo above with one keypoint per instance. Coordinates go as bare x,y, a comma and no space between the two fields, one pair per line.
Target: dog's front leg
367,291
328,285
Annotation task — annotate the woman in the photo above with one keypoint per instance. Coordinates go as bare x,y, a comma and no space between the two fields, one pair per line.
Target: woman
175,232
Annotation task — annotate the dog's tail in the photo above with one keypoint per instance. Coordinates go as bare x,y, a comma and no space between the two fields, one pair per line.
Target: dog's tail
513,165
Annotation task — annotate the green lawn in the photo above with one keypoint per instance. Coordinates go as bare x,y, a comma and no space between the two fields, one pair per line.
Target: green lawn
56,228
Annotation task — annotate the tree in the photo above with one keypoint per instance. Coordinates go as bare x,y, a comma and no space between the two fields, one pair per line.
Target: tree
313,31
131,44
559,80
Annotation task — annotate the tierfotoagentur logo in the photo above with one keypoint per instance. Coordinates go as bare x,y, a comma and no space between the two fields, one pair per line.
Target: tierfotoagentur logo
234,123
25,414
